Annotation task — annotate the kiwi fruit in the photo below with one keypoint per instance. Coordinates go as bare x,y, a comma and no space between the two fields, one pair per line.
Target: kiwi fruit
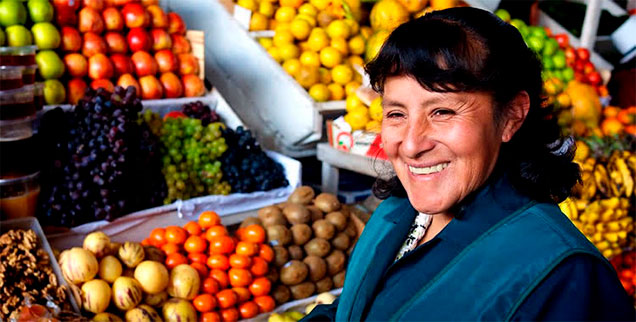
301,233
302,290
272,274
278,235
341,241
281,255
296,214
327,202
318,247
324,285
335,262
337,219
302,195
295,252
293,272
339,279
316,213
323,229
317,267
271,215
152,253
250,221
281,294
351,229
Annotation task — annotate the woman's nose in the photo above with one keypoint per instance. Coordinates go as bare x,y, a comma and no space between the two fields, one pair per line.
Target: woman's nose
417,139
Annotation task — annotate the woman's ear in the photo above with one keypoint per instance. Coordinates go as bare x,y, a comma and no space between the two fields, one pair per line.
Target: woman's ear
515,115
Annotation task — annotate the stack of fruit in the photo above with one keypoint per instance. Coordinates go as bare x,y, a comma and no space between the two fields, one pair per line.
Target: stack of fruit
230,274
619,121
625,267
361,117
601,205
113,42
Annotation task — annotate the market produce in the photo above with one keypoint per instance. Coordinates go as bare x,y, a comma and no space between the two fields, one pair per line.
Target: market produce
184,282
179,310
152,276
78,265
97,243
142,313
95,296
110,268
624,265
127,293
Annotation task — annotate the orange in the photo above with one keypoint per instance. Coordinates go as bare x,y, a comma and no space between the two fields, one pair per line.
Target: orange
248,310
611,111
158,237
254,234
266,252
176,235
210,285
310,58
260,286
239,277
170,248
175,259
265,303
210,317
192,228
208,219
240,261
330,57
215,231
218,261
230,314
340,44
258,21
204,302
291,3
246,248
195,244
226,298
259,266
220,277
198,258
243,294
342,74
201,269
611,126
221,245
336,92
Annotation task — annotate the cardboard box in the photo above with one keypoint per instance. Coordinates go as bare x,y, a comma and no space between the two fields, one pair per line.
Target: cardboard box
364,143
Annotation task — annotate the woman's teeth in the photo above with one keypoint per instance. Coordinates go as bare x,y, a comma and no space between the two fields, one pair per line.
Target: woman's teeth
429,170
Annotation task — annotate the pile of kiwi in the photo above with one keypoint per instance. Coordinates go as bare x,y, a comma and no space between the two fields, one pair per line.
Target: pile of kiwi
312,237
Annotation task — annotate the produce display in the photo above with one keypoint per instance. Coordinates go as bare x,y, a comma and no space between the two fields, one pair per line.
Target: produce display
293,315
624,265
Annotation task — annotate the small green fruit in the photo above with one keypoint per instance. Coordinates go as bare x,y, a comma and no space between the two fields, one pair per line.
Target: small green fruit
503,15
40,10
46,35
18,36
49,64
12,13
54,92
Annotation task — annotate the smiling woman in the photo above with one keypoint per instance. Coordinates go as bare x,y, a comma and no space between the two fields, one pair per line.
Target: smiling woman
470,229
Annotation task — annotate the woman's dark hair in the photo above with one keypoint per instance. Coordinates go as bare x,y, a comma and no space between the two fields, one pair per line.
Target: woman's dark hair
471,50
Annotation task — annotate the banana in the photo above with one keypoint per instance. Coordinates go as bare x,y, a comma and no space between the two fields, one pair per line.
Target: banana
631,161
617,187
588,189
601,178
628,181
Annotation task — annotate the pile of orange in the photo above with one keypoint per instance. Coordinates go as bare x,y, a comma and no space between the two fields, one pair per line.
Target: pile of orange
232,268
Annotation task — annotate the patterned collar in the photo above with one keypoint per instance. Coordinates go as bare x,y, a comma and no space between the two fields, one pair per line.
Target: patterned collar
416,233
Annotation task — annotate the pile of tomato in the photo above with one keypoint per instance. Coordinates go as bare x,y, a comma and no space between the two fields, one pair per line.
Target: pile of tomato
233,269
625,265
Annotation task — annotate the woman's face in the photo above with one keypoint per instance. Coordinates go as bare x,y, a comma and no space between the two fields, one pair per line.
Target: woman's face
443,146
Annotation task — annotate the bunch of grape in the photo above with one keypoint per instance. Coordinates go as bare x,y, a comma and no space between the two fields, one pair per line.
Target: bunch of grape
190,158
202,112
246,166
101,163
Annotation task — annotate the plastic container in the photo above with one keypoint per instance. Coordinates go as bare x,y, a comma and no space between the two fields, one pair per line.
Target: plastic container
11,130
11,77
28,74
19,196
17,103
38,96
17,56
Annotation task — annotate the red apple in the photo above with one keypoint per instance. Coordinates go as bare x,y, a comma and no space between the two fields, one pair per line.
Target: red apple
176,24
166,61
583,54
122,64
160,39
95,4
188,64
99,66
588,68
171,85
150,88
65,16
180,45
579,65
134,15
159,17
71,39
139,39
72,4
570,56
193,85
113,19
144,63
76,64
147,3
90,21
116,42
126,80
103,83
594,78
93,44
75,90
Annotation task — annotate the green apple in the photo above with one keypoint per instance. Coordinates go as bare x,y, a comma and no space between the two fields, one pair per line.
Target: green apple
49,64
12,13
550,47
3,37
17,36
535,43
40,10
538,32
503,15
568,74
46,35
54,92
547,63
559,60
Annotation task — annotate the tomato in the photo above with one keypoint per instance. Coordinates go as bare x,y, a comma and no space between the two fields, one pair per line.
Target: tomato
176,235
222,245
175,259
170,248
192,228
239,233
248,310
210,285
259,266
158,237
627,274
243,293
226,298
589,68
594,78
220,277
230,315
563,40
195,244
201,268
208,219
210,317
204,302
198,258
260,286
570,56
218,261
583,54
266,252
246,248
215,231
240,261
265,303
254,234
239,277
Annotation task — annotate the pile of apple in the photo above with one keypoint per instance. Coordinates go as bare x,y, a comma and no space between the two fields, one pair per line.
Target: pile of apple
126,43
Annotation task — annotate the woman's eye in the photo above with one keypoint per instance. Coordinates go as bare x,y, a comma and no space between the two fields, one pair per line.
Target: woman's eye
394,114
443,112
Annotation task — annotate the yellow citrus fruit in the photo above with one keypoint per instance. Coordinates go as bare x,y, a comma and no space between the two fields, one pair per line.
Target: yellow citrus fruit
443,4
258,21
340,44
283,37
374,44
388,14
275,53
564,100
357,77
281,26
318,41
325,75
354,27
272,24
290,3
300,29
413,5
330,57
342,74
319,92
356,60
289,51
338,28
310,58
351,87
248,4
311,20
320,4
307,76
373,126
318,30
308,9
266,42
375,109
267,9
336,92
291,66
304,46
353,102
358,119
285,14
366,32
356,45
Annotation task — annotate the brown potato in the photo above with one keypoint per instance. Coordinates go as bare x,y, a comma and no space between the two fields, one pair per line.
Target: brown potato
296,214
335,262
323,229
327,202
293,272
339,279
324,285
296,252
318,247
272,274
317,267
281,255
281,294
278,235
351,229
302,195
316,214
282,205
337,219
250,221
301,233
341,241
270,216
302,290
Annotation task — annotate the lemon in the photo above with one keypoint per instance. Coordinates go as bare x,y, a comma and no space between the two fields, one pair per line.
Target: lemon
281,26
336,92
353,102
285,14
340,44
354,27
308,9
387,15
330,57
283,37
310,58
275,53
266,42
374,44
373,126
351,87
289,51
258,21
356,60
304,46
413,5
300,29
273,24
318,30
443,4
325,75
342,74
338,28
307,76
318,41
292,66
375,109
311,20
319,92
320,4
366,32
267,9
357,45
358,119
248,4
